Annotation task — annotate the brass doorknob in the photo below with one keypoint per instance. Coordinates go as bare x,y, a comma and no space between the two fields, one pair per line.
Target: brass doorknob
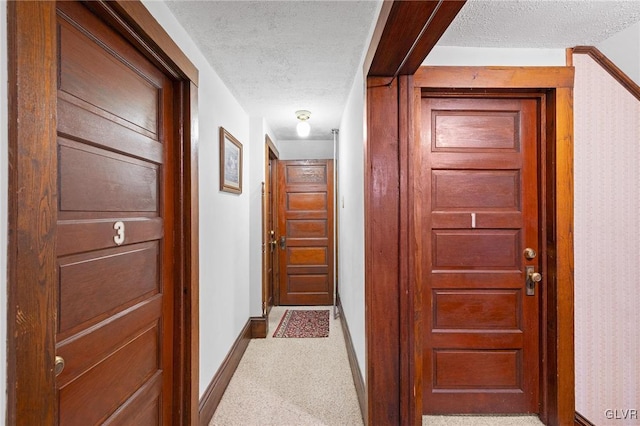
530,253
535,277
59,365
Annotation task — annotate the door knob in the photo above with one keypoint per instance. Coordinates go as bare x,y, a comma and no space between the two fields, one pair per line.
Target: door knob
533,277
59,365
530,253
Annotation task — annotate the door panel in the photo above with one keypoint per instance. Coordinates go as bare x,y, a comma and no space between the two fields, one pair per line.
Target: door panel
481,349
115,228
305,220
271,250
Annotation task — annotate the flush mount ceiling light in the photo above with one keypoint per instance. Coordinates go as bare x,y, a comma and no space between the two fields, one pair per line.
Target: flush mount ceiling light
303,127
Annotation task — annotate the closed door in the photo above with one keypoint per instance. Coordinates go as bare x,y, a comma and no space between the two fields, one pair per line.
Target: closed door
271,273
305,232
480,214
115,227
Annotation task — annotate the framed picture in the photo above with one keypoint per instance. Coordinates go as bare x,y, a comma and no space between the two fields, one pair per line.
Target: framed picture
230,163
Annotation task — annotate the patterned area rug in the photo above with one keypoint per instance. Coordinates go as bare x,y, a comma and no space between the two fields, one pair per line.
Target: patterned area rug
303,324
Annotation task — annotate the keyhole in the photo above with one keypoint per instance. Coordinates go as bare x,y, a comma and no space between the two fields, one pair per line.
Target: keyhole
119,237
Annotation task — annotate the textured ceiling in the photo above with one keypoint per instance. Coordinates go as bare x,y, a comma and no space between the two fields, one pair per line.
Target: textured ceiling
539,23
280,56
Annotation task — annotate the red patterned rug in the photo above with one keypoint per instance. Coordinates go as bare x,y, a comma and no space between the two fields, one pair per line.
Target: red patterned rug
303,324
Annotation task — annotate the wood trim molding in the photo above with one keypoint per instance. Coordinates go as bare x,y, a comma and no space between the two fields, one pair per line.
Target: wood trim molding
259,327
580,420
356,373
155,39
190,305
213,394
382,262
558,387
411,30
31,264
611,68
482,77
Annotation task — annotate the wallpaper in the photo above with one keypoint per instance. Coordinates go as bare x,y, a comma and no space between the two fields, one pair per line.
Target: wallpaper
607,247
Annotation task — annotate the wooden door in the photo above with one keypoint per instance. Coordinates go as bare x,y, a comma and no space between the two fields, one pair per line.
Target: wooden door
481,347
305,232
115,228
271,262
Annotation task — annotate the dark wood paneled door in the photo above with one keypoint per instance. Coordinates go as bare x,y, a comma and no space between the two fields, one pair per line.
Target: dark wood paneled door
480,213
305,232
271,274
115,228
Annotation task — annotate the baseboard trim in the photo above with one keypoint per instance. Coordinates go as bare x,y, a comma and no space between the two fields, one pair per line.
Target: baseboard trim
259,327
213,394
358,381
580,420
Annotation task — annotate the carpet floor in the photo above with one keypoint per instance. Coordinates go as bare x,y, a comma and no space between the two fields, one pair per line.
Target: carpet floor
292,381
307,382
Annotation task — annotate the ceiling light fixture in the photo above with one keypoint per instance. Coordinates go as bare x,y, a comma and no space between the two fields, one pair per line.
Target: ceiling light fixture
303,127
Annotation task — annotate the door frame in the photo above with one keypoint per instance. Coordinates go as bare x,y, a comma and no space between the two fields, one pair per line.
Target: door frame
394,330
31,282
557,374
270,176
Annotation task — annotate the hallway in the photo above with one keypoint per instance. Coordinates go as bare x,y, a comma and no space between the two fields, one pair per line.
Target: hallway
313,387
292,381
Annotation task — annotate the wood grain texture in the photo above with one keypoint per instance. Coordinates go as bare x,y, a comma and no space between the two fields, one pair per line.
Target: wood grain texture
188,378
259,327
557,396
270,271
146,33
130,367
611,68
485,330
412,29
34,83
564,256
493,77
32,161
213,394
107,76
305,220
416,255
382,197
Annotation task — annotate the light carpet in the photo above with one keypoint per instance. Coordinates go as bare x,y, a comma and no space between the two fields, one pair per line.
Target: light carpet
307,382
291,382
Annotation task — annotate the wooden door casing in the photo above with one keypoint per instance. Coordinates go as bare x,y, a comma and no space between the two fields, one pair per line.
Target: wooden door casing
33,199
270,294
115,228
481,344
305,221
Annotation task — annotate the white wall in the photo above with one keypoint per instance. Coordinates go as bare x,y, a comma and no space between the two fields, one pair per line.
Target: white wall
258,128
305,149
623,49
351,216
224,217
4,171
488,56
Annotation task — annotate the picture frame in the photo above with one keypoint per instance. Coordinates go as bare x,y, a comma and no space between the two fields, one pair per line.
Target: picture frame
230,163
